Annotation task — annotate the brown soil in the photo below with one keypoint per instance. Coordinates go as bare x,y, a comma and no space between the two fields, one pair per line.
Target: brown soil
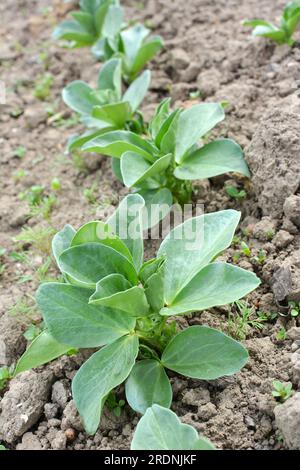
226,63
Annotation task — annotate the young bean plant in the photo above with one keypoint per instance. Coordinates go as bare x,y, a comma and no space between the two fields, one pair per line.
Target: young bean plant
105,109
100,24
91,23
133,45
162,167
114,300
282,391
282,34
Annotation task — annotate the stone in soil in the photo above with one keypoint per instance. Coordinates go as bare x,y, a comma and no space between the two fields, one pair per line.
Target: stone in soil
291,209
12,341
29,442
22,405
286,279
287,418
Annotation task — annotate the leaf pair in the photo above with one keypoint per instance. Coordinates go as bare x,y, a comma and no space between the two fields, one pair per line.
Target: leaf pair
105,109
198,352
283,33
159,167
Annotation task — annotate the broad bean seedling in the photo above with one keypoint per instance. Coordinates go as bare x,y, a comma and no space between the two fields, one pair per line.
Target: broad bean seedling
113,299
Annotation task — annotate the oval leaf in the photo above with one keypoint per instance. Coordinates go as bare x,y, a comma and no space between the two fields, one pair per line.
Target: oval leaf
101,373
88,263
135,169
61,241
115,114
70,319
192,124
194,244
73,31
132,39
79,97
137,90
100,232
116,143
43,349
145,53
216,158
116,292
200,352
77,141
127,223
154,290
216,284
110,76
148,384
161,429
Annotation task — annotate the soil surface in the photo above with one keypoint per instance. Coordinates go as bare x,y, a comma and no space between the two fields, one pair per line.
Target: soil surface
207,50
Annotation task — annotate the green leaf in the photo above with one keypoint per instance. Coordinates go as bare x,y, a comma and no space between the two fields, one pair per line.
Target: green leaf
192,245
100,232
73,31
127,223
113,22
276,34
116,292
204,353
43,349
146,53
192,124
132,40
158,203
79,97
86,21
61,241
293,19
149,268
116,168
110,76
99,15
105,370
116,143
216,158
154,289
160,141
70,319
161,114
216,284
115,114
78,141
137,90
105,48
135,169
254,23
148,384
88,263
161,429
91,6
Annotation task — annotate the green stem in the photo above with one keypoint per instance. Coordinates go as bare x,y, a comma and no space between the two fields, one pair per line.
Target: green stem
162,325
151,351
149,342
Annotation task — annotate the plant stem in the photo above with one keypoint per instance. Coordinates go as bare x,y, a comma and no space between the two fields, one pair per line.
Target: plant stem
149,342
